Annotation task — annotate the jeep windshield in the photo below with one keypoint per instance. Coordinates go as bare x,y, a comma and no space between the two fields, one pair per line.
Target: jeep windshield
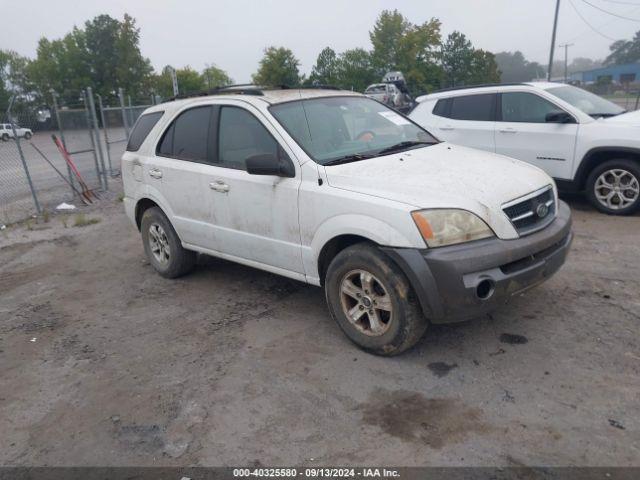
333,130
588,102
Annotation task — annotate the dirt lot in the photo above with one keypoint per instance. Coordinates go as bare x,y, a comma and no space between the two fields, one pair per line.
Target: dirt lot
102,362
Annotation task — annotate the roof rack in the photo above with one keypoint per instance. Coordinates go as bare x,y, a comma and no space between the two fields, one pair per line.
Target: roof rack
482,85
248,89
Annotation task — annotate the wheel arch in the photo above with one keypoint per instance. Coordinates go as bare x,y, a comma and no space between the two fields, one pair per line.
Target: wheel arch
598,155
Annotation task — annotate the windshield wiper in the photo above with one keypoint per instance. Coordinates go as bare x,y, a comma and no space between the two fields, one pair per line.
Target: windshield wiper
356,157
398,147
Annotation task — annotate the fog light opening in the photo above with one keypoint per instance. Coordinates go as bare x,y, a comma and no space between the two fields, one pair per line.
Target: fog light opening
485,289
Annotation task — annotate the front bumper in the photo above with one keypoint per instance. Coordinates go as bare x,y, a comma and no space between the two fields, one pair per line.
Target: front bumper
450,282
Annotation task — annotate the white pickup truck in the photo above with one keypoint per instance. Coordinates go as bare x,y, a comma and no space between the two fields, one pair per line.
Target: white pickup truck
585,142
334,189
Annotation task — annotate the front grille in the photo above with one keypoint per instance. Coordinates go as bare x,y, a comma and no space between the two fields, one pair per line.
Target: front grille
532,212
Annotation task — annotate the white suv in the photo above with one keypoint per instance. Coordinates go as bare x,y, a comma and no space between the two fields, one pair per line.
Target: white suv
6,132
337,190
584,141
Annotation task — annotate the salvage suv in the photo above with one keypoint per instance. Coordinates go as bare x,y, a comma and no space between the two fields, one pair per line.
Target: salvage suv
585,142
334,189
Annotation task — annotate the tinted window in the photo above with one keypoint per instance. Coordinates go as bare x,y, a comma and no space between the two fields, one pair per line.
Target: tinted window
525,107
442,107
187,137
141,129
242,136
473,107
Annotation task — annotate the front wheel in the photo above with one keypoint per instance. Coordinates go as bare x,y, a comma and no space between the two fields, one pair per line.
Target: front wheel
372,301
27,135
5,137
614,187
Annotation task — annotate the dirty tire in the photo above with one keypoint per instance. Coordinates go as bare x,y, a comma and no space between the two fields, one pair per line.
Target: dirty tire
180,261
630,166
5,137
407,323
27,136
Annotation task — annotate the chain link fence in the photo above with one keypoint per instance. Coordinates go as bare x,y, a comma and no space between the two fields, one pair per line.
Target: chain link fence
34,176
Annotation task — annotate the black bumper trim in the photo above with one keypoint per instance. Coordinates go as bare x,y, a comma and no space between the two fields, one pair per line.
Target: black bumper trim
445,279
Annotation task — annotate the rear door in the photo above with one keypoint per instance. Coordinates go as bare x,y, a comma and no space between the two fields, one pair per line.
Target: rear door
467,120
523,133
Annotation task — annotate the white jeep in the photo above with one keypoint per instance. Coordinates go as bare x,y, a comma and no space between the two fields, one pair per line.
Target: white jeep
585,142
6,132
334,189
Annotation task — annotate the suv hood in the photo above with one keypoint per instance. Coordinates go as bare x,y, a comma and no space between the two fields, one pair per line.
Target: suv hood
444,176
630,118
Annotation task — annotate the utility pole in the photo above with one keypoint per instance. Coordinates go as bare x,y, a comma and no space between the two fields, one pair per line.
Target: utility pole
553,41
566,47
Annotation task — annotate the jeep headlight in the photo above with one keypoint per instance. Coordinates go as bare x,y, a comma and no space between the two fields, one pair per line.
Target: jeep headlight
448,227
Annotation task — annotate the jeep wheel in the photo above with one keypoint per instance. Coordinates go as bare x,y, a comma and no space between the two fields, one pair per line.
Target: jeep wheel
163,247
5,137
372,301
614,187
27,135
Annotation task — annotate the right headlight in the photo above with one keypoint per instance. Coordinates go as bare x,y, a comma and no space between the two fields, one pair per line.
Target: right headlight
450,226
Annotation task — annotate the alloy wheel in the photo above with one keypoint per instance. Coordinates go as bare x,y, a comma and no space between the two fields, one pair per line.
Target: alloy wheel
159,244
617,188
366,303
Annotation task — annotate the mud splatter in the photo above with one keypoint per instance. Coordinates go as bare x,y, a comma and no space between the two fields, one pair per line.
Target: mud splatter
513,339
441,369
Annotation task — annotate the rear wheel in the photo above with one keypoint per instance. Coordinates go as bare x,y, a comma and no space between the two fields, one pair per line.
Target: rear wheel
614,187
163,247
27,135
5,137
372,301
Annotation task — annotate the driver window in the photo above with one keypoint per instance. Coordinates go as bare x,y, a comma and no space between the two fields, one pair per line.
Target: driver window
525,107
241,135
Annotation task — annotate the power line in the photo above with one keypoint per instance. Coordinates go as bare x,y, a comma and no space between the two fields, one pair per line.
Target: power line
611,13
588,24
622,3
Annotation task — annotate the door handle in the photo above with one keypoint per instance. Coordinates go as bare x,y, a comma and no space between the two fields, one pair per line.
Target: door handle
155,173
447,127
508,130
219,186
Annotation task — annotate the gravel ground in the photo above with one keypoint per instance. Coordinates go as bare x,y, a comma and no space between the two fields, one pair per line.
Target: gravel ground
103,362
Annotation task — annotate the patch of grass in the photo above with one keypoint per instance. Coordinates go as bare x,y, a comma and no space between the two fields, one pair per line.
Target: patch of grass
82,220
65,221
46,216
120,197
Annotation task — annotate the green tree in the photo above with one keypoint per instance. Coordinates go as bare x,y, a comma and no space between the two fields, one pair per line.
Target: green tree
456,56
325,71
624,51
385,37
189,81
355,70
212,77
484,68
278,66
14,78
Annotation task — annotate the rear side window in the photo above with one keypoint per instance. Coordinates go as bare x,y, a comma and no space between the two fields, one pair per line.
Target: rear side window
473,107
242,136
442,107
141,129
188,136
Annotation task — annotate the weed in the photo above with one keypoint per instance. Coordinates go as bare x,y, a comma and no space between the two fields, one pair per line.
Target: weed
120,197
82,220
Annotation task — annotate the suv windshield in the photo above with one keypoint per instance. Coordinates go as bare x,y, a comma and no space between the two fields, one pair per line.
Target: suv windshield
588,102
340,129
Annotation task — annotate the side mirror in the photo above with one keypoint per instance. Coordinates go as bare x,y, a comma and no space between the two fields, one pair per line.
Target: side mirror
558,116
269,164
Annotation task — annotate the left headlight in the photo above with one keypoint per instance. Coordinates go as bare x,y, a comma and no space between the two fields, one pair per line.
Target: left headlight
448,227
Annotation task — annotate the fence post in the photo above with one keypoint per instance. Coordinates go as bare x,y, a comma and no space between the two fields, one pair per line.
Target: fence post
64,143
21,153
93,141
125,122
96,130
106,134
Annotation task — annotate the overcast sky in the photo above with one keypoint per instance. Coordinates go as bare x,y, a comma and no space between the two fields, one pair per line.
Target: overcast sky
232,34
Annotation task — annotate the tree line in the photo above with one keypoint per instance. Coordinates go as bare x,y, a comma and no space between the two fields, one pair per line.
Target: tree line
105,54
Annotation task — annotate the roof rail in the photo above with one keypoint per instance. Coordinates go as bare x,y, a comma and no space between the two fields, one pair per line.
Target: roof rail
248,89
482,85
